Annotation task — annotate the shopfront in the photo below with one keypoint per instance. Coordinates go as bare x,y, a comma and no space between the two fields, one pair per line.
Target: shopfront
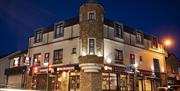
114,78
62,78
147,81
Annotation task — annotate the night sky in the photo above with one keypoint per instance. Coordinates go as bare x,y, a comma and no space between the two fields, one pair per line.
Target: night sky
19,18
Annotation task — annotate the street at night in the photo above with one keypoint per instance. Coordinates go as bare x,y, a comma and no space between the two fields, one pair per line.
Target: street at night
89,45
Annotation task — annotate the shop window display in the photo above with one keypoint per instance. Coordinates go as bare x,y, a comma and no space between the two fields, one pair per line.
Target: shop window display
109,82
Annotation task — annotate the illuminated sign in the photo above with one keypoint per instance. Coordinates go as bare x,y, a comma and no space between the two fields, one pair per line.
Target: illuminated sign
65,68
16,61
27,61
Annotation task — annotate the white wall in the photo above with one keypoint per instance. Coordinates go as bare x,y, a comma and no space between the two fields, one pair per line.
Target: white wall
147,55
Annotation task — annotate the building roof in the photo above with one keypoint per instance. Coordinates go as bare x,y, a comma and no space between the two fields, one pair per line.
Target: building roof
92,1
75,20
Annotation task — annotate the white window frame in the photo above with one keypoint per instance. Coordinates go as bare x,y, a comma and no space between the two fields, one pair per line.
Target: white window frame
92,17
94,46
59,28
139,37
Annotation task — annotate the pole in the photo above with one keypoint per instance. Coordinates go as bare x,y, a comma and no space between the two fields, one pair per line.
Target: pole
135,79
109,82
47,78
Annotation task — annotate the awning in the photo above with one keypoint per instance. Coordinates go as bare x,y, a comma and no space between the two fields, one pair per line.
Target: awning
16,70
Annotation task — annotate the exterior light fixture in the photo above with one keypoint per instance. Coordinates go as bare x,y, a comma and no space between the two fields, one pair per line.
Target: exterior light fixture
108,60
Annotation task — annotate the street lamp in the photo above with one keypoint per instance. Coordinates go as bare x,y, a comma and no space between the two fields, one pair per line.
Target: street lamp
168,42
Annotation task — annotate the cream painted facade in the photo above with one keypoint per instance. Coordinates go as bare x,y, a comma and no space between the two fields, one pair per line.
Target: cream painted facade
111,43
49,44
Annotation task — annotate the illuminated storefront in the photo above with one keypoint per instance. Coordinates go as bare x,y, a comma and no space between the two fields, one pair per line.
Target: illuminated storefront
114,78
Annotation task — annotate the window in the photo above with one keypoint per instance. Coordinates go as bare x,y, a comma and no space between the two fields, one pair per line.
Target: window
154,42
119,56
91,46
38,36
59,31
140,58
156,67
139,37
132,58
37,59
74,51
58,56
46,58
91,15
16,62
109,82
118,31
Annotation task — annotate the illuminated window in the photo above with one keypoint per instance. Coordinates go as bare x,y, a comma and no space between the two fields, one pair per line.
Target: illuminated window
118,56
16,62
132,58
37,59
109,82
91,15
38,36
139,37
92,46
46,58
118,31
59,31
58,56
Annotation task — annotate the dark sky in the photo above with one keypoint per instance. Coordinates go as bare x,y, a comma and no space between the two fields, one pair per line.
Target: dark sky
19,18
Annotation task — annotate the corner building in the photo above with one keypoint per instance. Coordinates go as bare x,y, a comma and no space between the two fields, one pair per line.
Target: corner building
92,53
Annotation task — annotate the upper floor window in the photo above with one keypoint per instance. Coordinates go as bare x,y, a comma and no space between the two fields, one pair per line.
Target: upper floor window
132,58
154,42
38,36
140,58
91,46
16,62
91,15
118,56
118,31
58,56
37,59
46,58
139,37
74,51
59,31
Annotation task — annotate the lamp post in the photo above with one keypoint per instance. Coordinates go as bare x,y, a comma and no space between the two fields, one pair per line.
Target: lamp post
135,77
167,43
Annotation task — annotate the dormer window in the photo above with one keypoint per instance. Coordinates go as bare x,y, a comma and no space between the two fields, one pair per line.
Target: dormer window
59,31
154,42
139,37
91,15
118,31
38,36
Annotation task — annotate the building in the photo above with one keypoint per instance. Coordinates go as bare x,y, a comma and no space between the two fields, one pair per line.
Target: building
90,52
18,73
173,70
4,64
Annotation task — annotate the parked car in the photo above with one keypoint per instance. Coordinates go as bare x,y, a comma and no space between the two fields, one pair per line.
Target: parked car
165,89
